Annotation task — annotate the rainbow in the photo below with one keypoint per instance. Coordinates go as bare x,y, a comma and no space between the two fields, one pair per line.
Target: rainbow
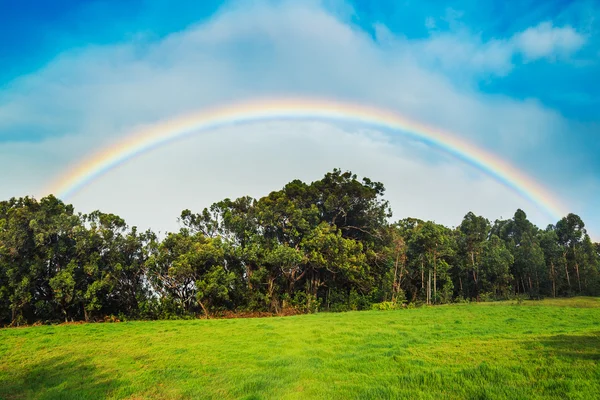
290,109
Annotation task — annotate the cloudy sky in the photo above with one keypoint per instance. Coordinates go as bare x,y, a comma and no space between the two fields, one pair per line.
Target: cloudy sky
519,80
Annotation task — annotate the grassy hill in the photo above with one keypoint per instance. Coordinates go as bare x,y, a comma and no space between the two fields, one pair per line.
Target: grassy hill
548,349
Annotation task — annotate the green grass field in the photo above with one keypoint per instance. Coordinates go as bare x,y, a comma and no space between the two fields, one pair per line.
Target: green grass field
548,349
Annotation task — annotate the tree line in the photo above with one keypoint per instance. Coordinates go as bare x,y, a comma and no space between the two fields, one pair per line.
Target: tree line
329,245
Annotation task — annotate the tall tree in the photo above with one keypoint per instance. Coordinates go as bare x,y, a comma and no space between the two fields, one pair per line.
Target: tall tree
188,268
553,256
570,231
496,261
474,231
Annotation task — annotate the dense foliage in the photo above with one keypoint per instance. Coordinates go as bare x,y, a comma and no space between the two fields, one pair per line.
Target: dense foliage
328,245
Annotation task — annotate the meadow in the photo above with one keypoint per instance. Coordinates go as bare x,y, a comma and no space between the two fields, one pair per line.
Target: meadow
546,349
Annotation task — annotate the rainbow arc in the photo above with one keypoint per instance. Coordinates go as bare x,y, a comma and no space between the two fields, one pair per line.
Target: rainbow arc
304,109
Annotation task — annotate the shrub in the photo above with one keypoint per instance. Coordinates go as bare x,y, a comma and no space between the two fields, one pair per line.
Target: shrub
386,306
462,300
357,301
306,303
487,296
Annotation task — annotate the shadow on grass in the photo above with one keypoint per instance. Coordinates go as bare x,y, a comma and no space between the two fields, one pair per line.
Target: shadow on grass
57,378
573,347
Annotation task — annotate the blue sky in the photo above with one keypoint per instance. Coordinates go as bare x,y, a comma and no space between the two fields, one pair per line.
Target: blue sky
520,79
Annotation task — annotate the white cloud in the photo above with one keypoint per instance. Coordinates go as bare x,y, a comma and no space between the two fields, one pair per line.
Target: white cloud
547,41
462,52
95,95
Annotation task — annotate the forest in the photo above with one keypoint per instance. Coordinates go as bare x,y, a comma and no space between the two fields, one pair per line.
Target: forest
329,245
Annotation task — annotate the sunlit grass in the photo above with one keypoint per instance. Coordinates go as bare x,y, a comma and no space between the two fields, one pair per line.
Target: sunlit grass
548,349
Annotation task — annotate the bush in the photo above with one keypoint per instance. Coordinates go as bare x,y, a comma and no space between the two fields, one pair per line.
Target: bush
386,306
520,298
357,301
487,296
306,303
462,300
401,297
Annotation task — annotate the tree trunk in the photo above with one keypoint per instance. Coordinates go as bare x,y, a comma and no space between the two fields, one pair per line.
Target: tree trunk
274,300
435,286
422,274
204,309
553,279
567,269
429,288
475,275
434,278
395,275
530,287
577,272
400,279
249,275
476,285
